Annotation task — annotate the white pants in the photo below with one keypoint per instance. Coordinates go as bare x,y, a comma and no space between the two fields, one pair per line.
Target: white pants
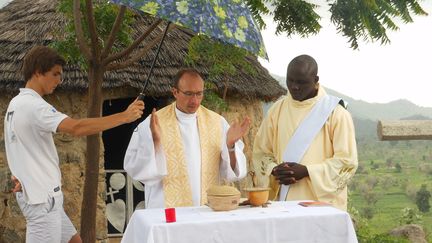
46,222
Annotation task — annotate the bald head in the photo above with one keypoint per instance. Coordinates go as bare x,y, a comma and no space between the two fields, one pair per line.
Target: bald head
305,64
302,78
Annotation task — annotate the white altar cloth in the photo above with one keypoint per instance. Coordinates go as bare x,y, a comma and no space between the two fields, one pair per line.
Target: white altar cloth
279,222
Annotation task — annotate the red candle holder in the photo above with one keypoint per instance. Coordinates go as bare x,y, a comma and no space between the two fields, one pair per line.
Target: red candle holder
170,215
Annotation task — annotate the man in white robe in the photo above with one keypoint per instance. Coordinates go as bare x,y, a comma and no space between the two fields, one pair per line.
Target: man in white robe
184,148
329,160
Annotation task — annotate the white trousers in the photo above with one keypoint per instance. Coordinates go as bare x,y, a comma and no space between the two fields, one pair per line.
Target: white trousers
46,222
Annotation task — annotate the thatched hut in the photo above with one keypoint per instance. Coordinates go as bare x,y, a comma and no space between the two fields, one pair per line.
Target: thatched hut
25,23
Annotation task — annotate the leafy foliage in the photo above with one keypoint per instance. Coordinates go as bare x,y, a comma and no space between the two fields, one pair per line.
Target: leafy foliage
363,229
367,212
356,20
212,100
364,236
409,216
291,16
398,168
422,199
397,185
222,58
105,15
370,19
296,16
258,8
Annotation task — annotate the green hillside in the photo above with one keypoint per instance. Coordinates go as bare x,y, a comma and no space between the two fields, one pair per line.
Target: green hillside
390,174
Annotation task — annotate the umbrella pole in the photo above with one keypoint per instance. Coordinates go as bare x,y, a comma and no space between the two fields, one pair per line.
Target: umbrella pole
142,95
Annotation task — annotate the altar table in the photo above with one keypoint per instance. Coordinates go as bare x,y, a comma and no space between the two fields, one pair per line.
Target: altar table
279,222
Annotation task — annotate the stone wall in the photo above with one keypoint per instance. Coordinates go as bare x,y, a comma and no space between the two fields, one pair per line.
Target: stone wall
72,156
12,224
238,109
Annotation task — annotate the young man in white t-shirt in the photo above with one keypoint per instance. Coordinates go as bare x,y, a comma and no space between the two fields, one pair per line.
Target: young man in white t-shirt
31,154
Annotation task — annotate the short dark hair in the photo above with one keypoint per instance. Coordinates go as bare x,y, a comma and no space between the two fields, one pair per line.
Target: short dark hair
40,59
180,74
306,62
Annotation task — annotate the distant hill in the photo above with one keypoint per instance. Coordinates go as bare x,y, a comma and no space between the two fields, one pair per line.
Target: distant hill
416,117
366,115
365,129
394,110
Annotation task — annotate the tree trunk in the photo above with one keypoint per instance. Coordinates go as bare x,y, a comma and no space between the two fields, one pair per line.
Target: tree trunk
89,203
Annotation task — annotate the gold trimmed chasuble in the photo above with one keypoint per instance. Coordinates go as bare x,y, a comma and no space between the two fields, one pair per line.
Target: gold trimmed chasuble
176,185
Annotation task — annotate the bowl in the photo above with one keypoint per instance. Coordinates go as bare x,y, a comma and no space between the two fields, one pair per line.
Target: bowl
257,196
223,198
223,203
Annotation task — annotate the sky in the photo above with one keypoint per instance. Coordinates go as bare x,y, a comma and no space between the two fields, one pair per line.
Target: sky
375,73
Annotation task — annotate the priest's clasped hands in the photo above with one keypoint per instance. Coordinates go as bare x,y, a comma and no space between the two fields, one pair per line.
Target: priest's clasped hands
289,173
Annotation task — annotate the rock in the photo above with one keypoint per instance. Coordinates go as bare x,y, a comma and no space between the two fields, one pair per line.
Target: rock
6,183
414,233
11,236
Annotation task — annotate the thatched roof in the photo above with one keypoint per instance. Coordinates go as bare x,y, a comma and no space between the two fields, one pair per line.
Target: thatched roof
25,23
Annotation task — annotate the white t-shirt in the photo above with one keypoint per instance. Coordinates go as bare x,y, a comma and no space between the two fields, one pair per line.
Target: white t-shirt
31,154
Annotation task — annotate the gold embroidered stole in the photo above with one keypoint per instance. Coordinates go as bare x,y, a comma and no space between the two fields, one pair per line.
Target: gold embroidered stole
176,186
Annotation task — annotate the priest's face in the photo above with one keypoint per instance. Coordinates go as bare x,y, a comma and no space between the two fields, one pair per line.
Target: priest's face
302,83
189,92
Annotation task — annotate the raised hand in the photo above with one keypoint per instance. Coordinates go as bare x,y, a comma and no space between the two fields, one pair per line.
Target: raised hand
155,128
237,130
134,111
17,184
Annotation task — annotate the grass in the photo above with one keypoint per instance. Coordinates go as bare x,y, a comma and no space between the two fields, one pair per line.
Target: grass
392,190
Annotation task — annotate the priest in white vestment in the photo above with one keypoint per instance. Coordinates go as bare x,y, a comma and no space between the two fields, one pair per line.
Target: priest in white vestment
181,150
329,160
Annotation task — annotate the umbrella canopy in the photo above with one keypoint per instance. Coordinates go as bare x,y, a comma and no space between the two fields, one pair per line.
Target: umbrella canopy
229,21
25,23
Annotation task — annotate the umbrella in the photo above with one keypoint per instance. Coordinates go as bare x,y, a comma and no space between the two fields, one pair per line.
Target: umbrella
229,21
